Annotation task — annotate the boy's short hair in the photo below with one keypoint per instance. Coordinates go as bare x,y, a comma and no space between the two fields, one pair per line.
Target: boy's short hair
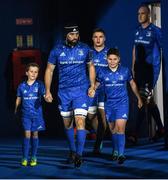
32,65
114,51
99,30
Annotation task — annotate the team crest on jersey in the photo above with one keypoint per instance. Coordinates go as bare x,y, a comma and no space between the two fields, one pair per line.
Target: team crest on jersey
35,89
62,54
148,33
105,57
80,53
121,77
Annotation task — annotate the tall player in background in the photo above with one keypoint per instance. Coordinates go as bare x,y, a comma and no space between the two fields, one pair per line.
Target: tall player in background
146,63
72,59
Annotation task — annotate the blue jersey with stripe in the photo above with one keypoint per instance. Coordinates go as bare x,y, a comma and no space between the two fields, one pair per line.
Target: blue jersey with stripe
72,64
31,98
147,43
115,84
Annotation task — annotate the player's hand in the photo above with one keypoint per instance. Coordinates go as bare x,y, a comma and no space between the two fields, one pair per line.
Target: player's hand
48,97
91,92
140,103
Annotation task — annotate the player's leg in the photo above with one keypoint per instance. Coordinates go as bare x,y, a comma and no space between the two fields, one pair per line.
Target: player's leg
80,106
101,129
92,116
154,110
66,112
34,148
26,141
120,125
111,116
81,135
114,140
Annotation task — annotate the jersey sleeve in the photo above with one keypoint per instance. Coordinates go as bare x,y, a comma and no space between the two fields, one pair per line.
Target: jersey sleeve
99,76
52,59
129,75
19,92
41,88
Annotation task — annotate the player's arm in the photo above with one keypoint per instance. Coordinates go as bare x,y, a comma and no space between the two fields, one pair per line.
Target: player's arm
133,61
135,91
47,80
92,77
17,103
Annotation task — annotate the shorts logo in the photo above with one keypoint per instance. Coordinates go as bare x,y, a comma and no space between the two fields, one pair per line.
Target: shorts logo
84,105
40,127
124,116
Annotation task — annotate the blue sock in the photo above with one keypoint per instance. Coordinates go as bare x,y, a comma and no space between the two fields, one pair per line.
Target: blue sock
121,143
81,136
25,147
35,143
114,142
71,140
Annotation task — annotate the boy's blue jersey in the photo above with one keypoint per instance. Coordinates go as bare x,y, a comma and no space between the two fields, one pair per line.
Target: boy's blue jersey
147,43
115,84
72,64
31,98
99,58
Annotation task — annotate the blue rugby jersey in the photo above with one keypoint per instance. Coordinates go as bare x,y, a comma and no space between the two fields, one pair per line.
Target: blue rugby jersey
147,43
99,58
115,84
72,64
31,98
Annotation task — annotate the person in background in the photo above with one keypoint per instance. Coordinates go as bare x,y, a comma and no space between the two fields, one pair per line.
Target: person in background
146,60
96,112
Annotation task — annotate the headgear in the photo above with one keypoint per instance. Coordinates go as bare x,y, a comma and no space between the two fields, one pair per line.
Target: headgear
71,28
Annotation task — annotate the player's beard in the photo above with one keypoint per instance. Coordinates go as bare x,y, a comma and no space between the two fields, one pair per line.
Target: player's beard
72,43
